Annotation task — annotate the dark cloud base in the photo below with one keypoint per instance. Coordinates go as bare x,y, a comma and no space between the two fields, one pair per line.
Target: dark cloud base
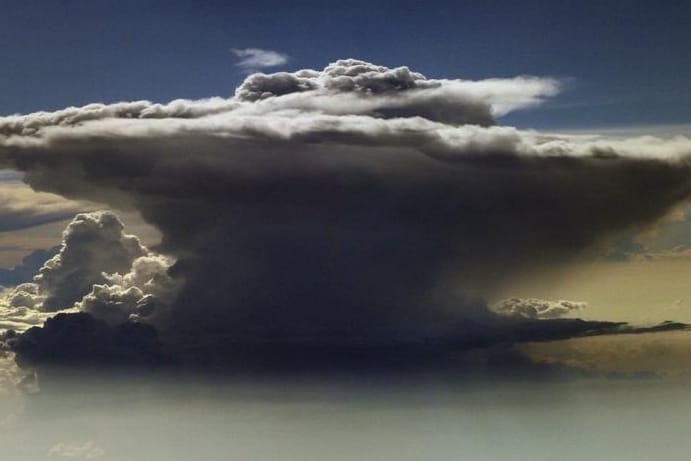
80,341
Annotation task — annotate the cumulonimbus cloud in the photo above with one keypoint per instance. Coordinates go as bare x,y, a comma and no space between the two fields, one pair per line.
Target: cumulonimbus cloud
356,203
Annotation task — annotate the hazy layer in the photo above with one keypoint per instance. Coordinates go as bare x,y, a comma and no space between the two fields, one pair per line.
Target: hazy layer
346,419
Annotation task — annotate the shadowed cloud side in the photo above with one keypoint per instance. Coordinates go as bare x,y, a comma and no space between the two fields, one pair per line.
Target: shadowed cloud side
80,340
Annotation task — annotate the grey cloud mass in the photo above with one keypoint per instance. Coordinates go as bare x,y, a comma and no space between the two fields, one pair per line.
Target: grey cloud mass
357,203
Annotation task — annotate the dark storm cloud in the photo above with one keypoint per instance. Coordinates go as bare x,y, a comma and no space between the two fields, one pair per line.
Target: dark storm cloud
79,339
355,204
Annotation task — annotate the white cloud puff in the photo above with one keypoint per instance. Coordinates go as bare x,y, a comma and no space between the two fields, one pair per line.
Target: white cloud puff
253,59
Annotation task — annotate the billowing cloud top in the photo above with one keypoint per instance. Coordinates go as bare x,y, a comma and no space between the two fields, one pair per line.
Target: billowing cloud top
356,87
356,202
346,87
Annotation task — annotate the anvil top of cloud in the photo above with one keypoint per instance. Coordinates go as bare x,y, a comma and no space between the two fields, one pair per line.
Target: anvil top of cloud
346,87
356,202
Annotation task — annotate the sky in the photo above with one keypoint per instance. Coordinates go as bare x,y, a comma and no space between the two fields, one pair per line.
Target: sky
375,209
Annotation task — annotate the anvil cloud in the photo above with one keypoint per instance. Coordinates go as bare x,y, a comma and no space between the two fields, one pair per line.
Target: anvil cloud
356,203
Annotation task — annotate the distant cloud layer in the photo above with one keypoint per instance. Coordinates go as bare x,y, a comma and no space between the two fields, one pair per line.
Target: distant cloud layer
254,59
20,207
356,203
27,268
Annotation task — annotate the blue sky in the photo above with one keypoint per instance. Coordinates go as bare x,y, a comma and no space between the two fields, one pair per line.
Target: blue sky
625,61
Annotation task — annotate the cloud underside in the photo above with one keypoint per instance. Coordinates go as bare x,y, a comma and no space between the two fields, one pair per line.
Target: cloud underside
357,204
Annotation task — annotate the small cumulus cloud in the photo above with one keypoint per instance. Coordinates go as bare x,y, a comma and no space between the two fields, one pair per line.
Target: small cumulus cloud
535,308
254,59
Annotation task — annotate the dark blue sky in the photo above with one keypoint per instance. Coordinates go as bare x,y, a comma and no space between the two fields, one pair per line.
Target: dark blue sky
627,61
